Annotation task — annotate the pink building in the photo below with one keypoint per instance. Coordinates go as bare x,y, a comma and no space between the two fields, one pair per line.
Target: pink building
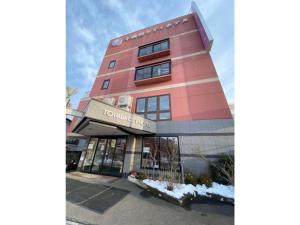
156,87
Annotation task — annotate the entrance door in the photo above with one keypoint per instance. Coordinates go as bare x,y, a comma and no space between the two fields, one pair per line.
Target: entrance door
89,155
106,157
117,165
99,155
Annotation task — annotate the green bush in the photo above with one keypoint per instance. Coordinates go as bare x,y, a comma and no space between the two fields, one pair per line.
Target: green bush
141,176
205,179
189,178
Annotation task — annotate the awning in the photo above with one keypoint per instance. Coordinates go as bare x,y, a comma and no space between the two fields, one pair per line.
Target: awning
102,119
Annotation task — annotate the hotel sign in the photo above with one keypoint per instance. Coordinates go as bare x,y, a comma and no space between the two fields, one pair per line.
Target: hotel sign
120,116
110,115
119,41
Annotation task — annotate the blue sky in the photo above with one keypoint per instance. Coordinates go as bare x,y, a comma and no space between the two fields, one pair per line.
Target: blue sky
91,24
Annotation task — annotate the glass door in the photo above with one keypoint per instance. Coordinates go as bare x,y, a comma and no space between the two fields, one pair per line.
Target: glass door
117,165
98,156
108,156
105,156
89,155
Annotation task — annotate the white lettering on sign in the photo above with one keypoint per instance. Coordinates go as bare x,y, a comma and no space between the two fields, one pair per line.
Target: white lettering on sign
124,117
118,41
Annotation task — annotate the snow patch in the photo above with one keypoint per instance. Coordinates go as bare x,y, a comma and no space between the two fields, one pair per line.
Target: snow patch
219,189
179,189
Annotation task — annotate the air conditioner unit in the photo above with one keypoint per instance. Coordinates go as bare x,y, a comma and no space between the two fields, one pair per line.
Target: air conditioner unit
125,102
109,101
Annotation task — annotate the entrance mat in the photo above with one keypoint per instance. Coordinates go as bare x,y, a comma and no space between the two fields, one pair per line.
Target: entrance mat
82,194
105,200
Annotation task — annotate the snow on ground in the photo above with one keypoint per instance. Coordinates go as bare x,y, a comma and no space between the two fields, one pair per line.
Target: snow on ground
219,189
181,189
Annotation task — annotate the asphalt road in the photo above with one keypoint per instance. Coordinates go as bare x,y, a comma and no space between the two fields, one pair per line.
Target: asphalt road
122,202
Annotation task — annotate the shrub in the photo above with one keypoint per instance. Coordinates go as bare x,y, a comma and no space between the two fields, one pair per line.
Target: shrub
205,179
141,176
170,186
189,178
222,170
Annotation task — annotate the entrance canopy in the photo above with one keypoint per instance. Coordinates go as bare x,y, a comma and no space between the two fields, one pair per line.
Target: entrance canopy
102,119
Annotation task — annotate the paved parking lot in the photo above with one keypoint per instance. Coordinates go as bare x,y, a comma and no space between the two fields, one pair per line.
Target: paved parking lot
122,202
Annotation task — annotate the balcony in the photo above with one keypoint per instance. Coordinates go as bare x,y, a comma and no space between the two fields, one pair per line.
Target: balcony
154,73
154,55
154,50
153,80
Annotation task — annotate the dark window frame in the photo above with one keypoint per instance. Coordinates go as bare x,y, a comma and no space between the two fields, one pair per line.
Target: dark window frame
159,145
152,47
110,62
158,110
103,88
151,66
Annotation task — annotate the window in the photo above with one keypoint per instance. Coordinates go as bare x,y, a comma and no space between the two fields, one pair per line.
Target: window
154,108
112,64
151,71
105,84
161,153
154,47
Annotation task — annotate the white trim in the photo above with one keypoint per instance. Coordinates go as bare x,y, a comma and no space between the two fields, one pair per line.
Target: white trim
189,55
172,59
118,71
183,84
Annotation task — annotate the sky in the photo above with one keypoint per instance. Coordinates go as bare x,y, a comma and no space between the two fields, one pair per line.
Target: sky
91,24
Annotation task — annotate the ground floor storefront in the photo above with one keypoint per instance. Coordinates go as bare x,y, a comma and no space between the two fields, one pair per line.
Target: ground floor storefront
118,155
120,141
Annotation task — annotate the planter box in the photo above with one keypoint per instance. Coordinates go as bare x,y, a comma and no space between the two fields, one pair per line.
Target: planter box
181,202
221,198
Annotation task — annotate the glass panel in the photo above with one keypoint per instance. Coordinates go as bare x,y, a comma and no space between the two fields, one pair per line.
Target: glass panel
152,116
112,64
156,71
164,156
145,50
150,155
164,45
140,105
152,104
164,103
105,84
140,74
117,165
164,116
108,157
174,152
147,72
89,155
157,47
98,156
142,52
165,68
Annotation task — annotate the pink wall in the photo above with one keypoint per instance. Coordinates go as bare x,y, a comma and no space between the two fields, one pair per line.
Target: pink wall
195,102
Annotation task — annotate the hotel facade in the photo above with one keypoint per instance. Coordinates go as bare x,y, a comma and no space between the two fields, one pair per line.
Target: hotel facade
155,87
